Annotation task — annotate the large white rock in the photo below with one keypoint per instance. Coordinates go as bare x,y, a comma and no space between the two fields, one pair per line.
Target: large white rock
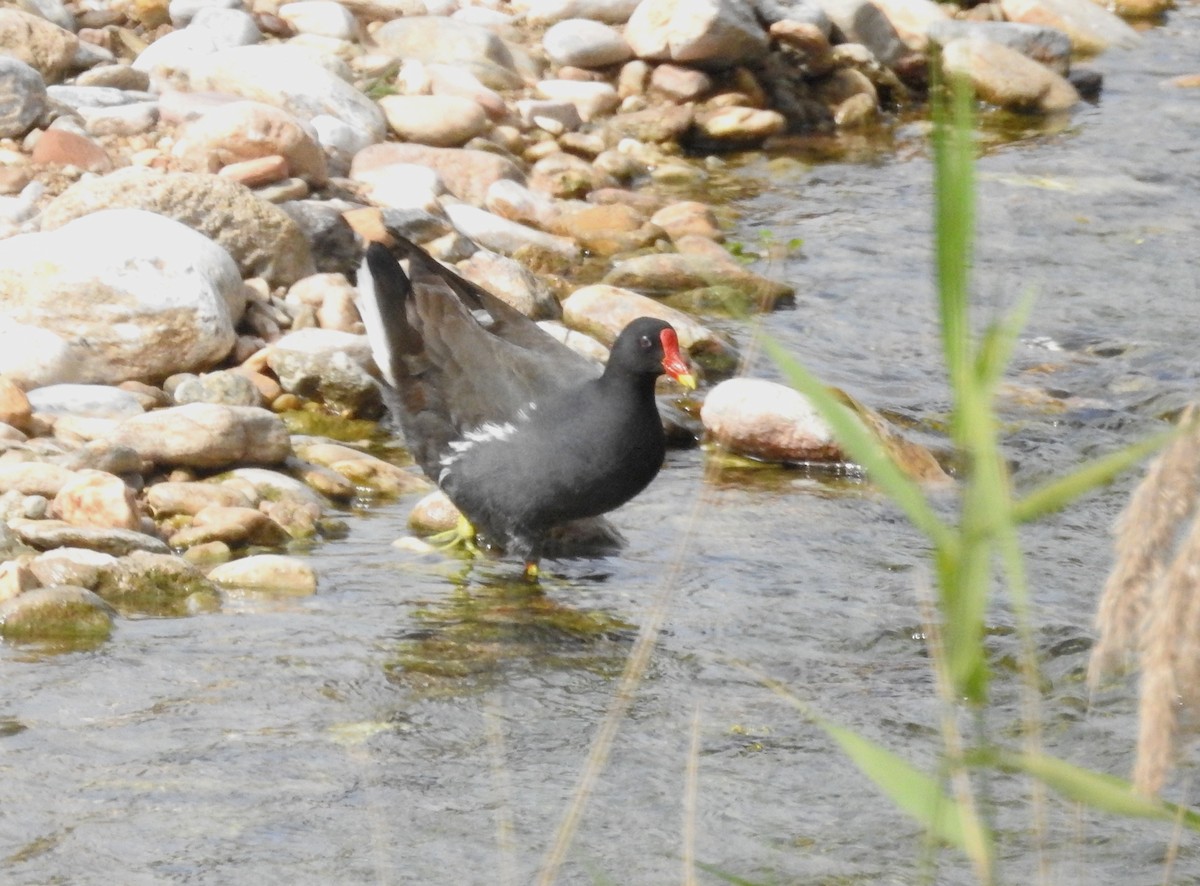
301,82
766,420
716,33
129,294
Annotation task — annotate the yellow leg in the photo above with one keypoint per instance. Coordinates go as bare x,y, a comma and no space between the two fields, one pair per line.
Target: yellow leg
461,536
531,570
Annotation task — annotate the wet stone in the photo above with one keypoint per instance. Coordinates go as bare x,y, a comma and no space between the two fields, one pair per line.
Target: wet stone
56,613
46,534
269,573
156,584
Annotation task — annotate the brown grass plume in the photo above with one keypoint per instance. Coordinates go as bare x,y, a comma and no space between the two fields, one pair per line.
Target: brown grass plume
1149,611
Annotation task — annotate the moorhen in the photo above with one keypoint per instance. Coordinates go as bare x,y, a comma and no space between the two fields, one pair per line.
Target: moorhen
521,433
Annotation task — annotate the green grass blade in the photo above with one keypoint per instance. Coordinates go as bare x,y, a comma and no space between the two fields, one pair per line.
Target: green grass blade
996,350
910,789
954,222
1060,492
1097,790
863,447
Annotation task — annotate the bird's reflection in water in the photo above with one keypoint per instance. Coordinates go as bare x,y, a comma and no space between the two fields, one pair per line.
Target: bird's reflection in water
491,620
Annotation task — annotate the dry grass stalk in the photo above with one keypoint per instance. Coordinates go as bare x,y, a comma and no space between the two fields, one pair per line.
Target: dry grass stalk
1150,608
1170,664
1144,535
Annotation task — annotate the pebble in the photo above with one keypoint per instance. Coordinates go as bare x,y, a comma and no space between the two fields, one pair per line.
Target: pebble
290,78
324,17
170,498
249,130
912,20
206,435
602,311
433,514
688,217
720,33
512,282
15,408
591,100
97,498
1047,45
585,43
270,573
504,236
61,147
473,47
235,526
227,386
330,366
43,45
614,12
96,401
22,97
1007,78
1090,26
34,478
362,468
438,120
147,583
46,534
667,273
464,172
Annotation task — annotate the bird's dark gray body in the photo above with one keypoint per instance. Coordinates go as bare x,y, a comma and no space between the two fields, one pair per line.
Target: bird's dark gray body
522,433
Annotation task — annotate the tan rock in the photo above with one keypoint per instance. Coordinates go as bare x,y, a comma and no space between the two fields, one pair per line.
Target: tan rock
267,573
257,172
739,125
439,120
97,498
688,217
16,577
232,525
61,147
1091,27
14,405
42,45
1007,78
171,498
34,478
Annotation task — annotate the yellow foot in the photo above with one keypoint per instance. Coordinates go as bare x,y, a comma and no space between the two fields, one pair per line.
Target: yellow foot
461,536
531,571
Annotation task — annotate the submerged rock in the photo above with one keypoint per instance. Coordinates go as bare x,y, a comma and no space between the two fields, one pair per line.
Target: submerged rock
59,613
271,573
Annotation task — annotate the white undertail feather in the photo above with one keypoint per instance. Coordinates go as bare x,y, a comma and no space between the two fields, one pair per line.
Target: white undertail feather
369,309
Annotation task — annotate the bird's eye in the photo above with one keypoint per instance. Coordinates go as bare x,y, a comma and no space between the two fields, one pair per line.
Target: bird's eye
646,342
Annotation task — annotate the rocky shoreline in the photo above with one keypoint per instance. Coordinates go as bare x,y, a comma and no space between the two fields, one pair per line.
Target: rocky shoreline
185,188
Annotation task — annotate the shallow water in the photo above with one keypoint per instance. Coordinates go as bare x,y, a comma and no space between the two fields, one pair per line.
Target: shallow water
425,721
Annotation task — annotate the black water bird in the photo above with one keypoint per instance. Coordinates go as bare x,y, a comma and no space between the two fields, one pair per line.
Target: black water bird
523,434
